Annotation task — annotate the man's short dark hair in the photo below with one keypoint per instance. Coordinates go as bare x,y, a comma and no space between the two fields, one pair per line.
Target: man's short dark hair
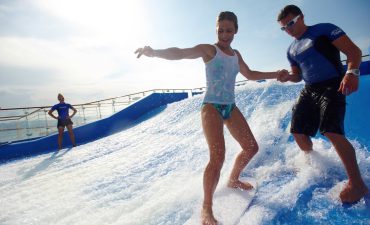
289,9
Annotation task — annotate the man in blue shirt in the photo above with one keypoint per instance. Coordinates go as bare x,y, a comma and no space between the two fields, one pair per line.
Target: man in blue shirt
64,119
314,57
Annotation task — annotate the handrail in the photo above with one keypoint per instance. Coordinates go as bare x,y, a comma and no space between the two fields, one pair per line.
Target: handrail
107,99
364,56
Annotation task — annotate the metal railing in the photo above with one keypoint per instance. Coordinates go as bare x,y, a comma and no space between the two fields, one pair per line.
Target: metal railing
364,56
32,122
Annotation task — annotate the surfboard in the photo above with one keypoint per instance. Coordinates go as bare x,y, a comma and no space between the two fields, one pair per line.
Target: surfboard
229,204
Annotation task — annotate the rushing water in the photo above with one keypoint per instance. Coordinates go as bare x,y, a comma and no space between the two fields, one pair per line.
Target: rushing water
152,172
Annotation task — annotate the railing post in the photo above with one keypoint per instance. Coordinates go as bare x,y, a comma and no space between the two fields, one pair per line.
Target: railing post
99,112
83,113
38,124
113,104
27,125
18,134
46,123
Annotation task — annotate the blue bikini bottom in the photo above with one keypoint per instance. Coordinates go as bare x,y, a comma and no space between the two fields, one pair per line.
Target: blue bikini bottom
223,109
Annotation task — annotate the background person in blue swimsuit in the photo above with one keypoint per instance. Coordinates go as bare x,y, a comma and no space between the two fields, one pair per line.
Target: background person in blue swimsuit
222,65
314,56
64,120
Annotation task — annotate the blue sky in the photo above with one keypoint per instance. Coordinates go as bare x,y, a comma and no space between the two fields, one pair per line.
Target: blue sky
85,49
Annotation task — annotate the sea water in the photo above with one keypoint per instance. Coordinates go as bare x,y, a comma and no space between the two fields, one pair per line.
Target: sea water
152,173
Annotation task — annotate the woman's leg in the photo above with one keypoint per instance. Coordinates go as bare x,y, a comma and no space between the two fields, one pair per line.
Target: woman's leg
213,130
240,130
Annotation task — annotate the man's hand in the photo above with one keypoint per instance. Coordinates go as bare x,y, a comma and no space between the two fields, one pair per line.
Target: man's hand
349,84
282,75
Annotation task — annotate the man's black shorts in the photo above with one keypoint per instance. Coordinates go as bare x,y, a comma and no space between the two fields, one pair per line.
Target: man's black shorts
320,106
64,122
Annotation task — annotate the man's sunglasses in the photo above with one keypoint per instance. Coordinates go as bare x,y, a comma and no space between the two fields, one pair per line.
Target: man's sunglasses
290,23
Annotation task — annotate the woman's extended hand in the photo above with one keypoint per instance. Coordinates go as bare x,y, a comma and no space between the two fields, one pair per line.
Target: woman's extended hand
147,51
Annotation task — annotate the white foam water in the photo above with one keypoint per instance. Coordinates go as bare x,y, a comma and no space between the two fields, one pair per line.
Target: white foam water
152,173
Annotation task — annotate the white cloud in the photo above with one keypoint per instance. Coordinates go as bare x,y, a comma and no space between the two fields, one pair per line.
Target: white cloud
65,58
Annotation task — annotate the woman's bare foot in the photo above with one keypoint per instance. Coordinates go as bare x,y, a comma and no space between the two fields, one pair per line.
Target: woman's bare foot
239,184
351,194
207,217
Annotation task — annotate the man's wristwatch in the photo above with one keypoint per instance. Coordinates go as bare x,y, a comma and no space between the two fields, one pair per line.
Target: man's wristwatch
355,72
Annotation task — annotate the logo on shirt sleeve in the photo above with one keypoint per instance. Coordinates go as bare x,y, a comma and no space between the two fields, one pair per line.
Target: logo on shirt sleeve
336,32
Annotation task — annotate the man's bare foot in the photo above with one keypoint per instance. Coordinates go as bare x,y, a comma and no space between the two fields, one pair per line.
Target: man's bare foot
239,184
207,217
351,194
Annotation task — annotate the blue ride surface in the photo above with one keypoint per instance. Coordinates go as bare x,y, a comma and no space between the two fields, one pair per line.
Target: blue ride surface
152,172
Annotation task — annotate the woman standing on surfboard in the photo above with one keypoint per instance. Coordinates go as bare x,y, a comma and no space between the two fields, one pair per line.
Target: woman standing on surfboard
222,64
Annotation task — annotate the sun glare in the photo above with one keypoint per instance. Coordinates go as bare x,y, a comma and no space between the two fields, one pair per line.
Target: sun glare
110,18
